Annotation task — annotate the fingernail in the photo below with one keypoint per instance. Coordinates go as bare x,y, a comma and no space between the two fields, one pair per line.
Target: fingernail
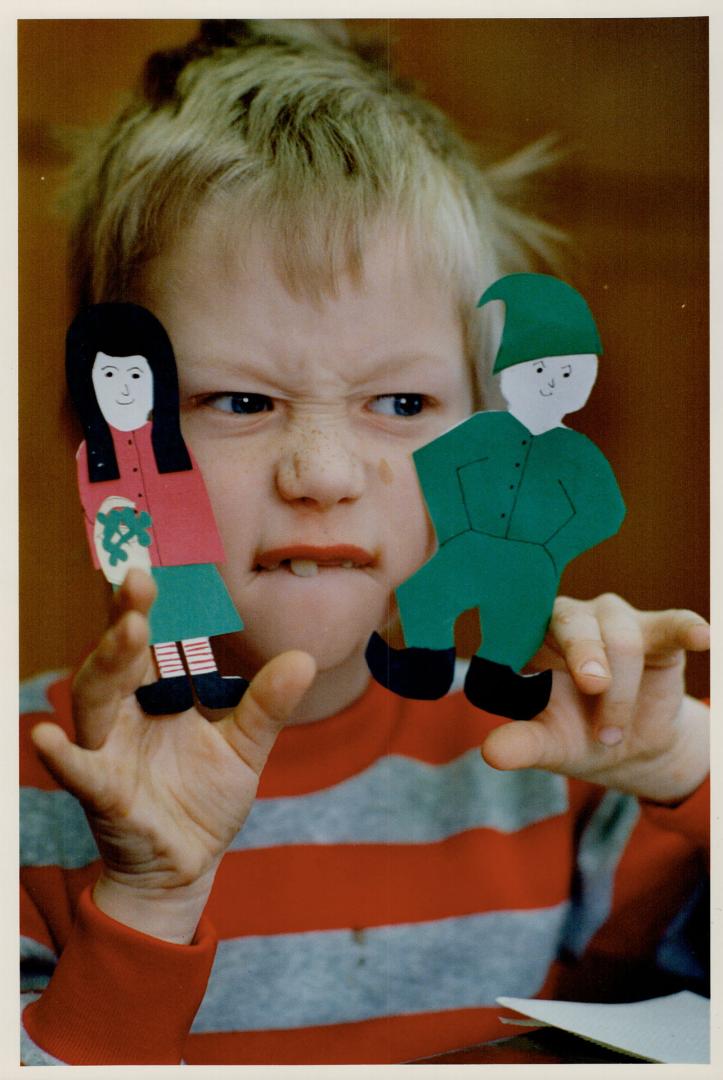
610,736
594,667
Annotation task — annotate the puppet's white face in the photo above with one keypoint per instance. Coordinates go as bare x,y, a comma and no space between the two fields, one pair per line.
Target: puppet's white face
124,390
541,392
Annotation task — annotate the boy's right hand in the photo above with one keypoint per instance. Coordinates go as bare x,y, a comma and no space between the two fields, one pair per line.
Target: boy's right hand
164,796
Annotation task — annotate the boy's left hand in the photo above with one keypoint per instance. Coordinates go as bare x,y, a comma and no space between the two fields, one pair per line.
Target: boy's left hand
618,714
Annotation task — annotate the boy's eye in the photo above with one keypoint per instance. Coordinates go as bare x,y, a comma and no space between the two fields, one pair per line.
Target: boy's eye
398,404
241,404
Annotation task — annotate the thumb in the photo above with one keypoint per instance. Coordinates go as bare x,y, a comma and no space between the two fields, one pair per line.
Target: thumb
67,762
251,729
520,744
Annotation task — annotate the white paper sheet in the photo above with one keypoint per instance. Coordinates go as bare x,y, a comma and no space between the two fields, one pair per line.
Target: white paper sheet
672,1029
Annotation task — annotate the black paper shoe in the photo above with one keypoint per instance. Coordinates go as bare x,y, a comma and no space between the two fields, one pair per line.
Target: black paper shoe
217,691
166,696
498,689
423,674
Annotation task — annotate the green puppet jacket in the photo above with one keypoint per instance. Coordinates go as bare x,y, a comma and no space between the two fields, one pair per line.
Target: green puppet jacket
491,475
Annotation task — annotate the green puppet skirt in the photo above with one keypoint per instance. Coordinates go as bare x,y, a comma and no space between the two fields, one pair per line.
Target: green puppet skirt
192,601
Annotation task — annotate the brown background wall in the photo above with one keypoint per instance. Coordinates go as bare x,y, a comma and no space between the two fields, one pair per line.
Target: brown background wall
627,99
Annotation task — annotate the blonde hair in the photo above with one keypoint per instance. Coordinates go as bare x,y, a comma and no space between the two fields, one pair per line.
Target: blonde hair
309,137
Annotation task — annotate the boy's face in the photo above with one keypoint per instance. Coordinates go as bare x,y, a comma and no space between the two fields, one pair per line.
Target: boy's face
303,417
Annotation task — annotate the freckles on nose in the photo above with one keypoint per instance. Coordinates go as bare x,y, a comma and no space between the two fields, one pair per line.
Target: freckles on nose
385,472
319,467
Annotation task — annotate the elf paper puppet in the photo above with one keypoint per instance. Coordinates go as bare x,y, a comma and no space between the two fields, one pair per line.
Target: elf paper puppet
513,496
144,499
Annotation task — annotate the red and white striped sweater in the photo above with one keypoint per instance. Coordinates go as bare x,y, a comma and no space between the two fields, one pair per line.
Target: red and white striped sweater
388,886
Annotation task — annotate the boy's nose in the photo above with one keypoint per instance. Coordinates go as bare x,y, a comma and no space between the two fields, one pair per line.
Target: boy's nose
318,468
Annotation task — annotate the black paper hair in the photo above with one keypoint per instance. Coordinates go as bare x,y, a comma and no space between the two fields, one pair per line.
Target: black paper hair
124,330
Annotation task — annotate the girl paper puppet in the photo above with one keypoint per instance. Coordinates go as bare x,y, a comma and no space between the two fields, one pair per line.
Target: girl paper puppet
145,501
513,496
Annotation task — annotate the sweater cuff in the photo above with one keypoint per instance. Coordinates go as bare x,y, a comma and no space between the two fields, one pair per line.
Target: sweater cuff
118,996
691,817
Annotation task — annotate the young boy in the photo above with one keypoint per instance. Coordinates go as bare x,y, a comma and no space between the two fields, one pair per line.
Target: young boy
315,242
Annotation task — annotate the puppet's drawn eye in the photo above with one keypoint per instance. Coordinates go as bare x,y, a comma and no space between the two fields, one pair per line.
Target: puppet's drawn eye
566,372
398,404
241,404
539,369
109,374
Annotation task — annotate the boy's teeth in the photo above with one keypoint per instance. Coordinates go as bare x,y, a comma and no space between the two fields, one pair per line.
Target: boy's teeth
304,567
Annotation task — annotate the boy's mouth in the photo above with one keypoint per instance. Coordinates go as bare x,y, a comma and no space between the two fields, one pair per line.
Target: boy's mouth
304,560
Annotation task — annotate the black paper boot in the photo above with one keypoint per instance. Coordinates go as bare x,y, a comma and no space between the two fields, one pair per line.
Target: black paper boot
217,691
165,696
498,689
423,674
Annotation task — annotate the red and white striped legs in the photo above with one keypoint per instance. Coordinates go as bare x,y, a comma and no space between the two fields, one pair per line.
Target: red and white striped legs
168,659
199,656
172,692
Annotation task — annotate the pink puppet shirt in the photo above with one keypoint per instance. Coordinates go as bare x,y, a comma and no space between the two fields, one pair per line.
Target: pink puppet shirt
183,529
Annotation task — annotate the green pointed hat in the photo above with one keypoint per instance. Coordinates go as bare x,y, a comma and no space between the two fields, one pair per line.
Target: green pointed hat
543,317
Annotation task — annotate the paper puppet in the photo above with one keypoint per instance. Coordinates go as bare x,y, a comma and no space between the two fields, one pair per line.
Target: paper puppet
513,496
144,499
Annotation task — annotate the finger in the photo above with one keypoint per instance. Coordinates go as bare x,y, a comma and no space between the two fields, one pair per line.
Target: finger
622,634
67,762
113,671
521,744
575,631
266,706
137,593
668,633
